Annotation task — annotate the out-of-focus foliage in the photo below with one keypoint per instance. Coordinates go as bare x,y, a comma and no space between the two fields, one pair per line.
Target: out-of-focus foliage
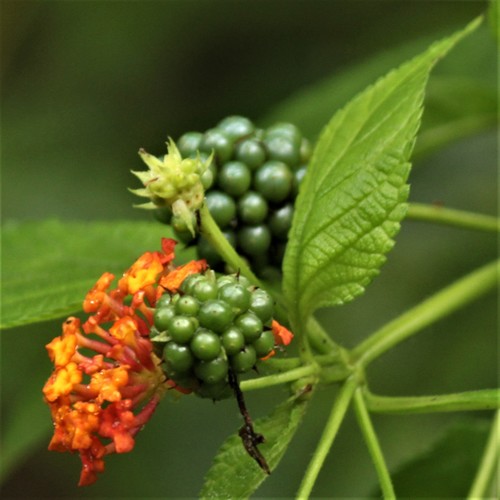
447,467
85,84
49,249
494,19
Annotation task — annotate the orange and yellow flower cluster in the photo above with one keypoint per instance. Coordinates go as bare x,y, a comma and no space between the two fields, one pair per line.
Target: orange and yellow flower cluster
107,381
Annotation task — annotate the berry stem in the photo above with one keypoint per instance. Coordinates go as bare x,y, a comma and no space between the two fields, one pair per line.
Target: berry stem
249,437
212,232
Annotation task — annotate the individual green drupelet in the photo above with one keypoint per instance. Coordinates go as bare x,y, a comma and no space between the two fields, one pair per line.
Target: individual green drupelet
210,326
250,187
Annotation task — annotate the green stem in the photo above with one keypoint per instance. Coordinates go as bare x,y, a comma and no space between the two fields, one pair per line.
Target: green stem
488,399
319,339
284,364
281,364
279,378
329,432
213,234
373,445
452,217
487,466
439,305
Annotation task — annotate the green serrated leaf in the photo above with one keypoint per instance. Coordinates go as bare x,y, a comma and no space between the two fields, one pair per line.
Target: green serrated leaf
234,474
353,196
48,267
447,469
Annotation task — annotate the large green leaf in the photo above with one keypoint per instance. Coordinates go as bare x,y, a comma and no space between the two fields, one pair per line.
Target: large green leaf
47,267
353,196
234,474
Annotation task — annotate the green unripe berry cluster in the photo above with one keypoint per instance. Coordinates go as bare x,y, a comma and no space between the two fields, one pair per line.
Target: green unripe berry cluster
210,326
250,186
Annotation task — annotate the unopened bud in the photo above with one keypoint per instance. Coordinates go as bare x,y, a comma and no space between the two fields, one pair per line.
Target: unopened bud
173,182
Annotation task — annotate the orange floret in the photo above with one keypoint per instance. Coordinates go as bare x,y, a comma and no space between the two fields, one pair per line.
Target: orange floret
111,394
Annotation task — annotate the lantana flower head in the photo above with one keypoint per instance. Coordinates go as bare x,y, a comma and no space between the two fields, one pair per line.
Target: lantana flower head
107,380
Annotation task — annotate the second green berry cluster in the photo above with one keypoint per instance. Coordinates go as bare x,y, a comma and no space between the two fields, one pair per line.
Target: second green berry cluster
250,186
210,326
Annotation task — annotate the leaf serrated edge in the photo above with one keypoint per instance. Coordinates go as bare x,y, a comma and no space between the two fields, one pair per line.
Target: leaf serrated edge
429,58
295,407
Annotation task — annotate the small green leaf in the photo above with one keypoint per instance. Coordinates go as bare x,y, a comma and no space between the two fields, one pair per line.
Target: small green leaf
447,469
353,195
48,267
234,474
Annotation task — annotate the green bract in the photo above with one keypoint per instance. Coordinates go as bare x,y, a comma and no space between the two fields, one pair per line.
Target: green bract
174,182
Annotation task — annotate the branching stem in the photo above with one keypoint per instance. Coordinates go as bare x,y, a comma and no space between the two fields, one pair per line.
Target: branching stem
453,217
487,399
280,378
373,445
329,433
489,462
439,305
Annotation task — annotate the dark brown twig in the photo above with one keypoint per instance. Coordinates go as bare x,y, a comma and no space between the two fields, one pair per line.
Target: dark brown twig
249,437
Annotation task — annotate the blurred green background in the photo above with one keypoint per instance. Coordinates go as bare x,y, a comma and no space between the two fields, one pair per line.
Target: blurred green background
86,84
